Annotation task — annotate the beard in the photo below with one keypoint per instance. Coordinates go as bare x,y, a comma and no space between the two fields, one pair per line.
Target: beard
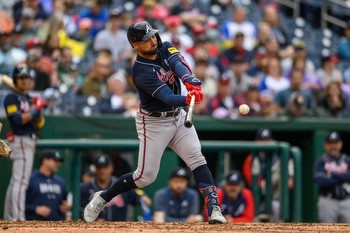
151,52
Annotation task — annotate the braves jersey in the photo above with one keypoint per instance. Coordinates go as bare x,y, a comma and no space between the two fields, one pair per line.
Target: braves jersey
15,104
45,191
116,209
332,176
176,208
156,79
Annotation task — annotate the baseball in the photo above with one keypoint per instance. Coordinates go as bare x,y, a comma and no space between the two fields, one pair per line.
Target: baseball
243,109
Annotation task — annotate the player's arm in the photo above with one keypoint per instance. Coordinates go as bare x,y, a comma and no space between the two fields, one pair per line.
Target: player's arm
321,178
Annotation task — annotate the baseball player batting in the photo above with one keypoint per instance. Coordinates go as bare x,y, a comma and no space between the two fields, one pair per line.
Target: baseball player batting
165,85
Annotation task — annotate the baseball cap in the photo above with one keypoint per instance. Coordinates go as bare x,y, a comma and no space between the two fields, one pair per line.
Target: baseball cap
179,172
33,42
224,80
333,136
234,177
263,134
85,23
115,13
172,21
51,154
27,13
331,58
102,161
299,45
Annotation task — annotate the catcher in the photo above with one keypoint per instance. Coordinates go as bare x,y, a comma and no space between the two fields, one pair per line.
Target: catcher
25,117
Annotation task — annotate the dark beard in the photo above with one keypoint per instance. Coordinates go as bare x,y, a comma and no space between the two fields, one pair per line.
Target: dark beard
151,52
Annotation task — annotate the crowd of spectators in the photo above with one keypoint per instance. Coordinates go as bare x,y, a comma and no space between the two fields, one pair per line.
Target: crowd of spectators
82,58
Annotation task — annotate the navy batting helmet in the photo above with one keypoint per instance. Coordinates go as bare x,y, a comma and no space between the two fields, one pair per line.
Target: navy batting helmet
22,71
142,31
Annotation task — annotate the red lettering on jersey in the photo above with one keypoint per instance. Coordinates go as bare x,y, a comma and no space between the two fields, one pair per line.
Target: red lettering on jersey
166,76
24,106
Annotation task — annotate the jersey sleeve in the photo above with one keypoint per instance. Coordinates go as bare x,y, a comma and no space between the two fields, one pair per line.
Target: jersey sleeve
11,105
148,81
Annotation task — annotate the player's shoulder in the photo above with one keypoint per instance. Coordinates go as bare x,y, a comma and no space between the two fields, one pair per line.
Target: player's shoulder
191,192
11,96
168,48
163,192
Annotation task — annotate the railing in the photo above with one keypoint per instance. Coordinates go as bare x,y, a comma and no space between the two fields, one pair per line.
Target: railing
327,18
294,4
282,149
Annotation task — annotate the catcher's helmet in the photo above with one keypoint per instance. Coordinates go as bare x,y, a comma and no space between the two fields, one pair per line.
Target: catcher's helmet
142,31
22,71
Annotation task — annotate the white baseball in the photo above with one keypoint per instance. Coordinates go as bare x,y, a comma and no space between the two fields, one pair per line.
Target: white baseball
244,109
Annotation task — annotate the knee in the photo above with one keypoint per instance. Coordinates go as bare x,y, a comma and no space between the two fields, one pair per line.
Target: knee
145,179
197,160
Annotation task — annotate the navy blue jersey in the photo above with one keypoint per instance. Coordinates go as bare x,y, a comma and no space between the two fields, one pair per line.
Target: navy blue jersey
332,176
15,104
47,191
116,209
156,79
176,208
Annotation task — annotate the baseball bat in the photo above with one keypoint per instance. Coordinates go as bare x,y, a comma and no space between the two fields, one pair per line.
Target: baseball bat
189,116
7,81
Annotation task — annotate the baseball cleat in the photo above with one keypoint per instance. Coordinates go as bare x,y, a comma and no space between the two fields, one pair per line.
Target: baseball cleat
94,208
216,216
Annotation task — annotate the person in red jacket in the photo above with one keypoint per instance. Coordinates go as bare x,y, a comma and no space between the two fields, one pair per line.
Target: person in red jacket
235,200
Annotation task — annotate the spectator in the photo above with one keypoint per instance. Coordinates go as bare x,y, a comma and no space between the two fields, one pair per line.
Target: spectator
295,101
177,202
98,15
264,34
257,66
116,209
95,81
253,100
106,39
27,24
273,82
47,193
237,50
238,75
225,104
42,80
39,12
88,174
329,71
239,23
152,12
344,45
236,201
250,164
333,100
190,14
331,174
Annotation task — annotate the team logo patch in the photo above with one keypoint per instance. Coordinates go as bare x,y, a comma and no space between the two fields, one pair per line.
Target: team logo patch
11,109
173,50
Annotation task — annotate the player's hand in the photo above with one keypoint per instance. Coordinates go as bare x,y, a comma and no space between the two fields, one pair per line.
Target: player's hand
192,83
197,99
43,211
64,207
39,103
191,87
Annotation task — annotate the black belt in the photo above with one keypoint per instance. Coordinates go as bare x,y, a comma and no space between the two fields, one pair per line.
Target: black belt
174,113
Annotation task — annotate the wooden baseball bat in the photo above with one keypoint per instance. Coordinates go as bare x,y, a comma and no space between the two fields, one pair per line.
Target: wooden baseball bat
7,81
189,116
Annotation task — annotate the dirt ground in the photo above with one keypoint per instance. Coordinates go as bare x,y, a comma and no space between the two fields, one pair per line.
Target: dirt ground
150,227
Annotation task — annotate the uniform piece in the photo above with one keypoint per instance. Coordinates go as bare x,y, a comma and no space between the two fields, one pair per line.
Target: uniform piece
161,76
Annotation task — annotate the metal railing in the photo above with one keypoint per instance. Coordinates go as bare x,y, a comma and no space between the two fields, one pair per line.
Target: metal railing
327,18
294,4
283,149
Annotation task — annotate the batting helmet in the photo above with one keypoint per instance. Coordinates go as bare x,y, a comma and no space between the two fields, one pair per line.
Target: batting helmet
22,71
142,31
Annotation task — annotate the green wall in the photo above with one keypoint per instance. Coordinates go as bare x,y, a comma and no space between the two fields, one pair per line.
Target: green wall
308,134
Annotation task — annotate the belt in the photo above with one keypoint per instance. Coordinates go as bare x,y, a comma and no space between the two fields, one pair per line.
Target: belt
174,113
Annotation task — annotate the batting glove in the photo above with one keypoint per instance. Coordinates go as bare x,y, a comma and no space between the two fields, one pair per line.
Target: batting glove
198,97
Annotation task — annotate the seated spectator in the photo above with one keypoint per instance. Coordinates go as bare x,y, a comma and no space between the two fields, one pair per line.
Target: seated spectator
237,73
47,193
253,100
35,5
177,202
106,39
274,81
225,104
329,71
264,135
237,50
42,80
152,12
333,100
257,67
344,45
264,34
27,24
331,174
239,23
295,101
190,14
236,201
95,81
116,209
97,13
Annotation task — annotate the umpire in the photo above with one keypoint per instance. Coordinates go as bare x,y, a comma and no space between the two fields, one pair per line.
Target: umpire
25,118
332,175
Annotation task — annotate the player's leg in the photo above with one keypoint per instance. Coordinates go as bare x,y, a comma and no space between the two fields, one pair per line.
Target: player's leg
154,136
187,145
344,211
327,210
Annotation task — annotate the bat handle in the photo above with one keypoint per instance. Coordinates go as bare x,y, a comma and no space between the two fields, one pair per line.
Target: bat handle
188,121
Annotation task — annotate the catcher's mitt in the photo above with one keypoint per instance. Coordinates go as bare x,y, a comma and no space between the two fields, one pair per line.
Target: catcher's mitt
5,150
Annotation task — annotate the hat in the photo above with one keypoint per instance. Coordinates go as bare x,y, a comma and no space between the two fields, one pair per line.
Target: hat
51,154
173,21
234,177
299,45
27,13
179,172
91,3
331,58
263,134
102,161
85,23
333,136
224,80
90,170
198,29
115,13
32,42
